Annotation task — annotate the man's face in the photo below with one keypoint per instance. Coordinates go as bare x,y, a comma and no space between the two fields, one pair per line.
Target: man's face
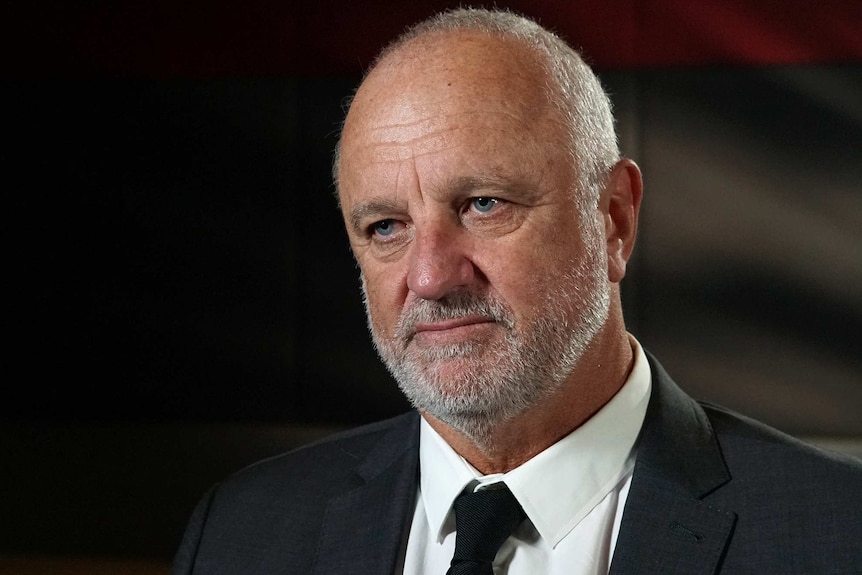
483,283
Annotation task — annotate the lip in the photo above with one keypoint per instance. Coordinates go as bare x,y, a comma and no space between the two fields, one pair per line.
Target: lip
451,324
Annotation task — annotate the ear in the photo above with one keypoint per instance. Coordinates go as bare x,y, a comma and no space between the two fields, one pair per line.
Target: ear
620,204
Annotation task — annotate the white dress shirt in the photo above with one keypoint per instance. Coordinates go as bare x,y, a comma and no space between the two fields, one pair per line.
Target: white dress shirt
573,493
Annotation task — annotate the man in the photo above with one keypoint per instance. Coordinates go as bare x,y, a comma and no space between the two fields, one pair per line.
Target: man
492,219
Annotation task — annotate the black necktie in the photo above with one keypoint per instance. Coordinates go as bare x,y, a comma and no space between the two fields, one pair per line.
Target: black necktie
483,521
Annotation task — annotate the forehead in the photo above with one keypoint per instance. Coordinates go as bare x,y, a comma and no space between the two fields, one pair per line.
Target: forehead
447,89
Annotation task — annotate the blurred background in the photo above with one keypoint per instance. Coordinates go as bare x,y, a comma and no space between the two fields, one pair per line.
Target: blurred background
181,296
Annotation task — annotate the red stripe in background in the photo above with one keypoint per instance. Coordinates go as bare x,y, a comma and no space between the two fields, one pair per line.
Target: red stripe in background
171,38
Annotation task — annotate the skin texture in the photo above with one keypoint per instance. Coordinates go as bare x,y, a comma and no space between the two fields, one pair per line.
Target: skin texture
448,119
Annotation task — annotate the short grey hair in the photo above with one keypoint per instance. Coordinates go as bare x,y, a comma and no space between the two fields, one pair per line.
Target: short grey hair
574,89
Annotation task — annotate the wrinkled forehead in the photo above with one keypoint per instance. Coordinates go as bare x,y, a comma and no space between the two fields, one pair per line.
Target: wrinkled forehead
463,72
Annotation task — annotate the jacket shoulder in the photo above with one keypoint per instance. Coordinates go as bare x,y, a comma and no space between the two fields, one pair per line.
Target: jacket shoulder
325,464
797,505
249,517
792,507
751,447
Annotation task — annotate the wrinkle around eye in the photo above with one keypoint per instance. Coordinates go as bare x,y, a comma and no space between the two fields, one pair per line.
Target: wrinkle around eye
400,235
504,217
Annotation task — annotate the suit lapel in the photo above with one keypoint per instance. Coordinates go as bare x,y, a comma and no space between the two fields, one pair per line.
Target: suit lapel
666,526
364,528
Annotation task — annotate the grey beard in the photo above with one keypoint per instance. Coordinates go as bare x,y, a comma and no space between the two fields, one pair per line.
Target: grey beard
495,383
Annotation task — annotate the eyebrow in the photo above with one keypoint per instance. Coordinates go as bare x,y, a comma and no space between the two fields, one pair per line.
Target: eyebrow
467,184
463,185
370,209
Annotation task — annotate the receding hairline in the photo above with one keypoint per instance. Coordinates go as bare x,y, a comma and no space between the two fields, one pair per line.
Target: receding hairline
478,67
421,46
502,23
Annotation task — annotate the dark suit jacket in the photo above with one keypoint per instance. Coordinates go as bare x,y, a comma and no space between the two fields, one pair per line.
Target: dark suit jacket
712,492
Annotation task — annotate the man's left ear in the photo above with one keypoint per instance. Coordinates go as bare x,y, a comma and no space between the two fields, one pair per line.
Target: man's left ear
620,203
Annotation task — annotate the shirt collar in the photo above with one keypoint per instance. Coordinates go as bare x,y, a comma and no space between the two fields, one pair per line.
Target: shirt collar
579,470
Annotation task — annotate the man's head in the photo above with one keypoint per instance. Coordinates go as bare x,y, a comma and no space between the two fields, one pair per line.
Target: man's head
473,176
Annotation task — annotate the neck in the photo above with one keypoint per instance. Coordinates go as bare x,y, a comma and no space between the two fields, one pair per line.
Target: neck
599,375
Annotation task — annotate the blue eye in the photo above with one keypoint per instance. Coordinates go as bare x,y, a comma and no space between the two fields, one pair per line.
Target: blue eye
383,228
483,204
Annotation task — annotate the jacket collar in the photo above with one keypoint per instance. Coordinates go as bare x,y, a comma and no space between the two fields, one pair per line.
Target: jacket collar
666,525
364,529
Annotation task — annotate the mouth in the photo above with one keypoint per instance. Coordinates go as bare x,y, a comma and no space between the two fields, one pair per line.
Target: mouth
450,330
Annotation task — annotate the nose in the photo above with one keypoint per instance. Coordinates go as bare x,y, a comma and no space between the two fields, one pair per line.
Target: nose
439,264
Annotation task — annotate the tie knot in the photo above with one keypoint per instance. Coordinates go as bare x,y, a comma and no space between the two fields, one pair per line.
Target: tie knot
483,521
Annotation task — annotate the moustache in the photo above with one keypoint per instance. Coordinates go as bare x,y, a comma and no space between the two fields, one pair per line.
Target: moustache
453,306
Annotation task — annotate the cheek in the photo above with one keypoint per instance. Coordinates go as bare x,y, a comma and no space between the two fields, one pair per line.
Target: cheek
516,279
529,274
385,301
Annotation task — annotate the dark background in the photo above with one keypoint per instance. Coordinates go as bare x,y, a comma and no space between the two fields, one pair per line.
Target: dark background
182,298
